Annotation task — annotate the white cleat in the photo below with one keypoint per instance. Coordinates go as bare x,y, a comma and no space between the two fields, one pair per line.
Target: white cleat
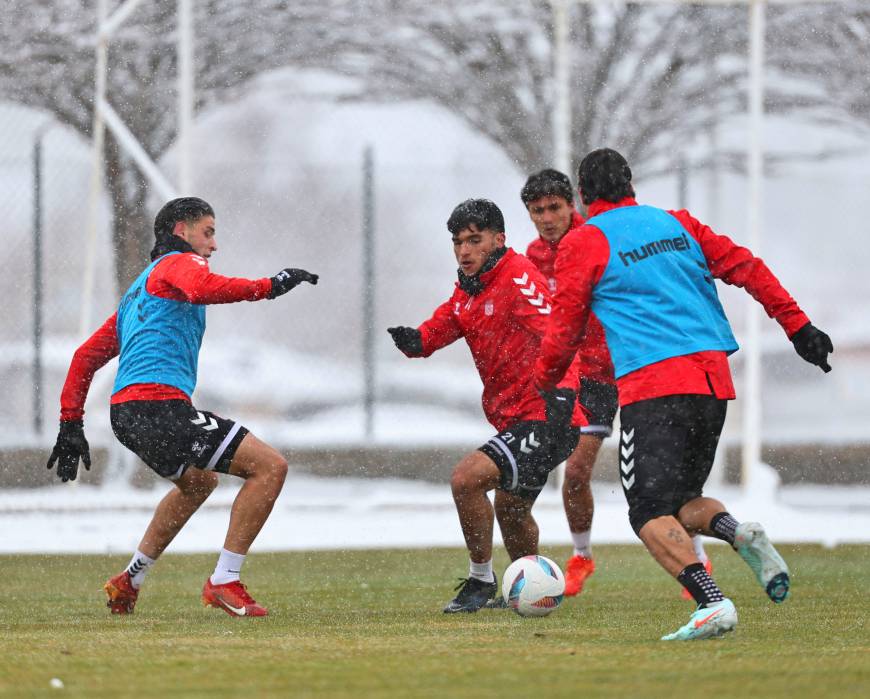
751,542
707,622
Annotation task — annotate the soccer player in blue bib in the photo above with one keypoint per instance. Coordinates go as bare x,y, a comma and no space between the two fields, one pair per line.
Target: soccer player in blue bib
648,275
157,331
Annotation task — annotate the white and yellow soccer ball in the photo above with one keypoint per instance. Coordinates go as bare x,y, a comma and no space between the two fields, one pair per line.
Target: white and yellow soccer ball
533,586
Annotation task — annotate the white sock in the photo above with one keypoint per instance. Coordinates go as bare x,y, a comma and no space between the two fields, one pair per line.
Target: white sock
228,568
582,543
138,568
698,543
481,571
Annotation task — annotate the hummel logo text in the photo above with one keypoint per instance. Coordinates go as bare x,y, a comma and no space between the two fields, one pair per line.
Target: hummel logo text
654,248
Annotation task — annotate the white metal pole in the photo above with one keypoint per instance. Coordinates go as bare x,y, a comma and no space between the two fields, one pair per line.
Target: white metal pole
752,389
562,84
128,142
96,183
108,26
185,93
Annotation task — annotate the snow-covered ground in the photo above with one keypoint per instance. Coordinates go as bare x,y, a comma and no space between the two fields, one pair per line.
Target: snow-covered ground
320,513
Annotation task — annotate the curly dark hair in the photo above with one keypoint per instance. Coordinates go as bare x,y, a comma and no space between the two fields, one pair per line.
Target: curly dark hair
547,183
481,212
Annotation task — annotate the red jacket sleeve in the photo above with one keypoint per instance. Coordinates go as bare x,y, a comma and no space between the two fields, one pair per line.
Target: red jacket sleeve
583,255
737,265
441,329
187,277
93,354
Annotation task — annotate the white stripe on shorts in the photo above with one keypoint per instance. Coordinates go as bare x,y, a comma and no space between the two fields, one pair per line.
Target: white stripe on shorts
219,452
513,462
175,476
597,429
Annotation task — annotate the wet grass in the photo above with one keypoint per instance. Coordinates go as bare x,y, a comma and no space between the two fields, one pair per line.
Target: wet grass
369,624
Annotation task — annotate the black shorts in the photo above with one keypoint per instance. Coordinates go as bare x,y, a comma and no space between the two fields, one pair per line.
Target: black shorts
525,454
170,435
666,451
600,402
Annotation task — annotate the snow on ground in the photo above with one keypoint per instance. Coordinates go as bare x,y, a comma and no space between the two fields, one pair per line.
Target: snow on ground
322,513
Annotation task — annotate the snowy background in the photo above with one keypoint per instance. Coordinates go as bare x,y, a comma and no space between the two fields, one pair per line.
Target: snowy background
281,161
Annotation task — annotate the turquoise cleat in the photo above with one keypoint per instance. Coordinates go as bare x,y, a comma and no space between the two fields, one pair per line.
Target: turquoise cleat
707,622
751,542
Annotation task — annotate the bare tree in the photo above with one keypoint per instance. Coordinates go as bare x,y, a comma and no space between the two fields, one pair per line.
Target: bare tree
646,79
48,62
824,49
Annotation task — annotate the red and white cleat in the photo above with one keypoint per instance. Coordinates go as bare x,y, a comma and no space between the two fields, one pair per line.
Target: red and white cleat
233,598
577,570
122,594
708,566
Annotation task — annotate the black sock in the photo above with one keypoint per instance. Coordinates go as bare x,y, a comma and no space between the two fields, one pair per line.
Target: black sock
700,585
724,527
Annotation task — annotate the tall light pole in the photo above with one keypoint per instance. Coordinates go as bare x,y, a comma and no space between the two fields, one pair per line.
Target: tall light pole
562,85
368,291
36,369
752,389
186,77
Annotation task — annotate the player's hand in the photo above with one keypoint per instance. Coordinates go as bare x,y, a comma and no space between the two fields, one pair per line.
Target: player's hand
288,279
408,340
813,346
560,408
71,446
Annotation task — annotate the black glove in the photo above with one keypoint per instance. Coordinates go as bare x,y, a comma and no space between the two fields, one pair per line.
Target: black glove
560,409
289,278
408,340
71,446
813,346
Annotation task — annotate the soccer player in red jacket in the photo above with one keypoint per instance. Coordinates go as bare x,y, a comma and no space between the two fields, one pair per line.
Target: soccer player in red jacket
157,331
499,306
549,198
649,276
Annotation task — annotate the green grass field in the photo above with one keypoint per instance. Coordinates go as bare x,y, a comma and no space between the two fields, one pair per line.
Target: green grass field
369,624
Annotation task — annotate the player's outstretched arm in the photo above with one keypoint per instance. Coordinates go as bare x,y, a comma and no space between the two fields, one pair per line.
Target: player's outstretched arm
70,446
288,279
813,346
188,278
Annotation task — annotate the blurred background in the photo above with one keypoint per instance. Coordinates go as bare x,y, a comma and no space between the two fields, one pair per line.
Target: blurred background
449,100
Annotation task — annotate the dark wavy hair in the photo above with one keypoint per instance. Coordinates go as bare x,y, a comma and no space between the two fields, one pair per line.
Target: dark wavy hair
547,183
481,212
185,209
604,174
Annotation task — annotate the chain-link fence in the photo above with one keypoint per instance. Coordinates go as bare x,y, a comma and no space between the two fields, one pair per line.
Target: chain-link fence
44,170
291,370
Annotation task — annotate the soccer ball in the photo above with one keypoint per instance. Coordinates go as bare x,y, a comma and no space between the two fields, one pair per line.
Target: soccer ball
533,586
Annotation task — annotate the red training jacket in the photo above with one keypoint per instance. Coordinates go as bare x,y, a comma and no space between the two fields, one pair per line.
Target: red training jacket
595,363
503,326
583,256
184,277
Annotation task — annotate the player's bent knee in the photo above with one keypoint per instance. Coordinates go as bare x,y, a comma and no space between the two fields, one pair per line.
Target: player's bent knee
475,473
461,482
275,468
280,469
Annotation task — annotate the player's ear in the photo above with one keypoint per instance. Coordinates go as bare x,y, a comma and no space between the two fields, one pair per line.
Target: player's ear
180,229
